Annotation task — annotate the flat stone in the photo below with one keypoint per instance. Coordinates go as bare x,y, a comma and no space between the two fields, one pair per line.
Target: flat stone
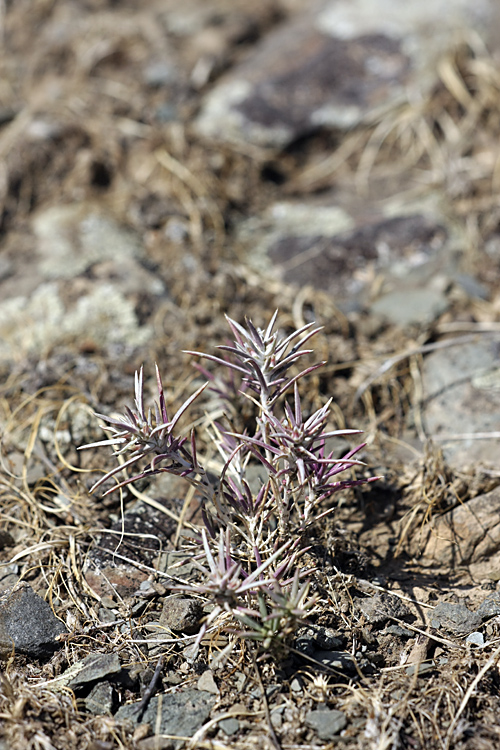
490,607
181,615
462,398
404,307
340,245
229,726
467,534
327,722
101,699
334,68
74,237
181,713
476,639
382,607
43,320
206,682
27,624
399,631
317,636
455,618
93,668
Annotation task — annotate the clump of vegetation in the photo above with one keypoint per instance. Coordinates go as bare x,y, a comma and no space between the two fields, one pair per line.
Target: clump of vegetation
253,537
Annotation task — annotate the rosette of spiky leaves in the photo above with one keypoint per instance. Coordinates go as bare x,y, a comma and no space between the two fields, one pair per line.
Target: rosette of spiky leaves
142,434
227,584
263,357
280,608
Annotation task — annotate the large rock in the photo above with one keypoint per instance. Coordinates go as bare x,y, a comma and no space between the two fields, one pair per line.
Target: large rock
348,248
335,67
180,714
470,533
462,400
27,624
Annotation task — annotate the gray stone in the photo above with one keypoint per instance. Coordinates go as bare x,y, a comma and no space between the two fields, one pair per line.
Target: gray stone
317,636
335,68
382,607
339,245
72,238
471,286
160,73
181,615
229,726
424,667
101,699
43,320
8,577
462,399
490,607
105,615
338,660
93,668
181,713
327,722
455,618
176,564
477,639
404,307
277,715
27,624
399,631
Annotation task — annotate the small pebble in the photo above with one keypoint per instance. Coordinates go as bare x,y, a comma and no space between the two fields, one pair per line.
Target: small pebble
475,638
207,682
229,726
326,722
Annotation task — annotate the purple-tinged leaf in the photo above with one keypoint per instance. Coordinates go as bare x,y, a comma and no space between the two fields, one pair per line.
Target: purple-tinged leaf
293,380
269,329
254,333
186,405
218,360
161,395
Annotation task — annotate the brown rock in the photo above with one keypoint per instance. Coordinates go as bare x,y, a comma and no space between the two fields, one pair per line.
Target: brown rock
467,534
181,615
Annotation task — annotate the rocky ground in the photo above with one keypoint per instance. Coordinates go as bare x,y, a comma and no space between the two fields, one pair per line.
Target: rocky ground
162,166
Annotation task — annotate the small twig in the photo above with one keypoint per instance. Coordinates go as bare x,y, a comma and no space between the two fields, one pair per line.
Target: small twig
149,692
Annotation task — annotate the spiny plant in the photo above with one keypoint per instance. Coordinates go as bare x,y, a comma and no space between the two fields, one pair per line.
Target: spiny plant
253,537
